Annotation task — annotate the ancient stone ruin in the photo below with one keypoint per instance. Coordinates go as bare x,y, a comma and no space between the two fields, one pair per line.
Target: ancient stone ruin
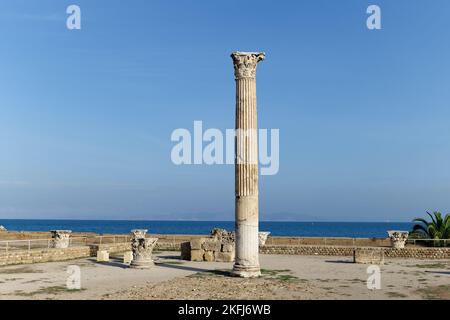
142,248
224,236
61,238
220,247
246,166
263,235
102,256
398,238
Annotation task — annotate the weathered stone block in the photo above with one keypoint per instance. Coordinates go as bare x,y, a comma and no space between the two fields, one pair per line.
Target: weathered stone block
227,248
128,257
368,256
209,256
185,251
196,244
197,255
223,235
224,256
211,245
102,256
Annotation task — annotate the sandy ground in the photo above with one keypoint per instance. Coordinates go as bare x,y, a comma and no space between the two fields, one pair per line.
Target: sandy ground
284,277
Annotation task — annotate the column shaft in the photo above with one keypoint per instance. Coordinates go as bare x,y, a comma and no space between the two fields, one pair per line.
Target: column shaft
246,167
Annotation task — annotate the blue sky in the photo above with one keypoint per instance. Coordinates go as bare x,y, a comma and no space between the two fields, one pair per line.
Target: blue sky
86,115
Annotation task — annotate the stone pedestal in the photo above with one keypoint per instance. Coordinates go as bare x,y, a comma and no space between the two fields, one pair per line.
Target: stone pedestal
142,249
102,256
398,238
246,166
128,257
61,238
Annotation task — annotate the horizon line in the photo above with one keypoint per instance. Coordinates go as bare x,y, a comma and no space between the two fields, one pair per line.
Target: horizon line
194,220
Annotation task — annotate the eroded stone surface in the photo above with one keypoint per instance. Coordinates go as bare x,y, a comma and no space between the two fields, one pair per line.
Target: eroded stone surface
197,255
219,247
211,245
368,256
398,238
196,244
142,249
224,256
223,236
102,256
263,235
228,247
246,167
128,257
209,256
138,233
61,238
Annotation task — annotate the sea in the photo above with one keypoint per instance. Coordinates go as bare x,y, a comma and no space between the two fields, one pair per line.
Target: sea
297,229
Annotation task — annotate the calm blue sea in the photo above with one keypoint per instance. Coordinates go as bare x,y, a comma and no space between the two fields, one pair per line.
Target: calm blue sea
301,229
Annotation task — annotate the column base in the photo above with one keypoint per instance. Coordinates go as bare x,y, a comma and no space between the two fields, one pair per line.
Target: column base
246,271
141,264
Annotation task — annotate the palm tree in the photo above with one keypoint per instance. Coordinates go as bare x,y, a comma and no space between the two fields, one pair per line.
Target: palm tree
437,228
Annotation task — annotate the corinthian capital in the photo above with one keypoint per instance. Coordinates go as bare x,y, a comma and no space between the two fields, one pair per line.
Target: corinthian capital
245,63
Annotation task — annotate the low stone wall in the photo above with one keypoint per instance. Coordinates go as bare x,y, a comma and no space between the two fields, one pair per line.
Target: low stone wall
208,249
323,241
122,247
181,238
368,256
14,257
17,235
43,255
307,250
164,246
417,253
366,242
111,248
50,255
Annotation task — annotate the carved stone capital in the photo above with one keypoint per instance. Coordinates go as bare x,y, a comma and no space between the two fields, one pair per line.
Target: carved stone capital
61,238
142,252
263,235
398,238
142,248
245,64
138,233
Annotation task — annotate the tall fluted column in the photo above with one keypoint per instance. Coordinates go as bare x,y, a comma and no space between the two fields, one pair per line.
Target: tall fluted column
246,166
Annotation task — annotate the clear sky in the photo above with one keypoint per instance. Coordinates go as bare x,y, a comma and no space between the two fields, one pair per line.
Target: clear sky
86,115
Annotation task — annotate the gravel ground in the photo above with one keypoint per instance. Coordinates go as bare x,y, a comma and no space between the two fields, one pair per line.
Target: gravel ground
284,277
